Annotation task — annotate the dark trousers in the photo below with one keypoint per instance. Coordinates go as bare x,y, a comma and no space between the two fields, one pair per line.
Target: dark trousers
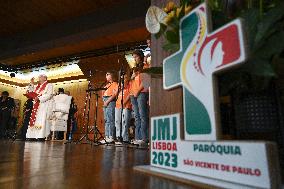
5,117
25,125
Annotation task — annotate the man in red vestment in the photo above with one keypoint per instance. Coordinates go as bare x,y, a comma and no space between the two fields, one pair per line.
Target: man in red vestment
39,126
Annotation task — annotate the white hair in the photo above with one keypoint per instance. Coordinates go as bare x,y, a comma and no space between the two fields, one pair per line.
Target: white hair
43,75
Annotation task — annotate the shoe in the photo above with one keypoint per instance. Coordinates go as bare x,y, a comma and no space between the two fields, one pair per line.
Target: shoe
139,142
118,143
40,139
110,139
104,140
19,139
136,142
144,144
126,142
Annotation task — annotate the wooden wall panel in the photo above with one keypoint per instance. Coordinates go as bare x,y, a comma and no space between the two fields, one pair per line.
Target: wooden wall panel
100,65
162,102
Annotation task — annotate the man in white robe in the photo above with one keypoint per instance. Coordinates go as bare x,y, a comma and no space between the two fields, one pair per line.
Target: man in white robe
60,113
39,125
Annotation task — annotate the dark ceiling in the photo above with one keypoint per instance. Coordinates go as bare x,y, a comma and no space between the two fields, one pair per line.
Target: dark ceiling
35,30
29,15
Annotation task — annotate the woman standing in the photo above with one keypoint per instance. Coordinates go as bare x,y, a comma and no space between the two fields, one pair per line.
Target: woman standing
109,97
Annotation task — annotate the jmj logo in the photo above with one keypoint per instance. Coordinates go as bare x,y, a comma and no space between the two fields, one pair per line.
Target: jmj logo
201,55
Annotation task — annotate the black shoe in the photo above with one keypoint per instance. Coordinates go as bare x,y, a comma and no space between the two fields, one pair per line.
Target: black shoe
40,139
20,139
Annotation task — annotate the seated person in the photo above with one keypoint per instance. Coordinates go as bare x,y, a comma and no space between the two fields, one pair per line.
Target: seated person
60,112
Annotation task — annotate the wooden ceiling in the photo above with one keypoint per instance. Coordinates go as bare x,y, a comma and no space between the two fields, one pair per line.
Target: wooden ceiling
138,34
35,30
30,15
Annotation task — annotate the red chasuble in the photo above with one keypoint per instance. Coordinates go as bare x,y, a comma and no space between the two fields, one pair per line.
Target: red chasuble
37,93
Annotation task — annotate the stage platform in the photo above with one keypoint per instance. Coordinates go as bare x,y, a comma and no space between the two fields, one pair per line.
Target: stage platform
55,165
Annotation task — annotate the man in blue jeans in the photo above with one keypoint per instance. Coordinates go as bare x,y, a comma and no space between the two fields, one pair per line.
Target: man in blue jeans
139,99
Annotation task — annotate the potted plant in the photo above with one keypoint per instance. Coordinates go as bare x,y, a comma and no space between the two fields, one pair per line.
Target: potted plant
165,23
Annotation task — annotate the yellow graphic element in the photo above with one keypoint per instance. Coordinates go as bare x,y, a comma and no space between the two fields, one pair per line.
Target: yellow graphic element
192,50
36,127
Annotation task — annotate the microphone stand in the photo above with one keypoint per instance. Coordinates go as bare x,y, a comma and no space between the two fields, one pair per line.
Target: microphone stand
87,104
121,87
96,129
87,107
122,101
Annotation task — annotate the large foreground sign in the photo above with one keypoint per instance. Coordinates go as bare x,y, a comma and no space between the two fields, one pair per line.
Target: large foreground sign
194,152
